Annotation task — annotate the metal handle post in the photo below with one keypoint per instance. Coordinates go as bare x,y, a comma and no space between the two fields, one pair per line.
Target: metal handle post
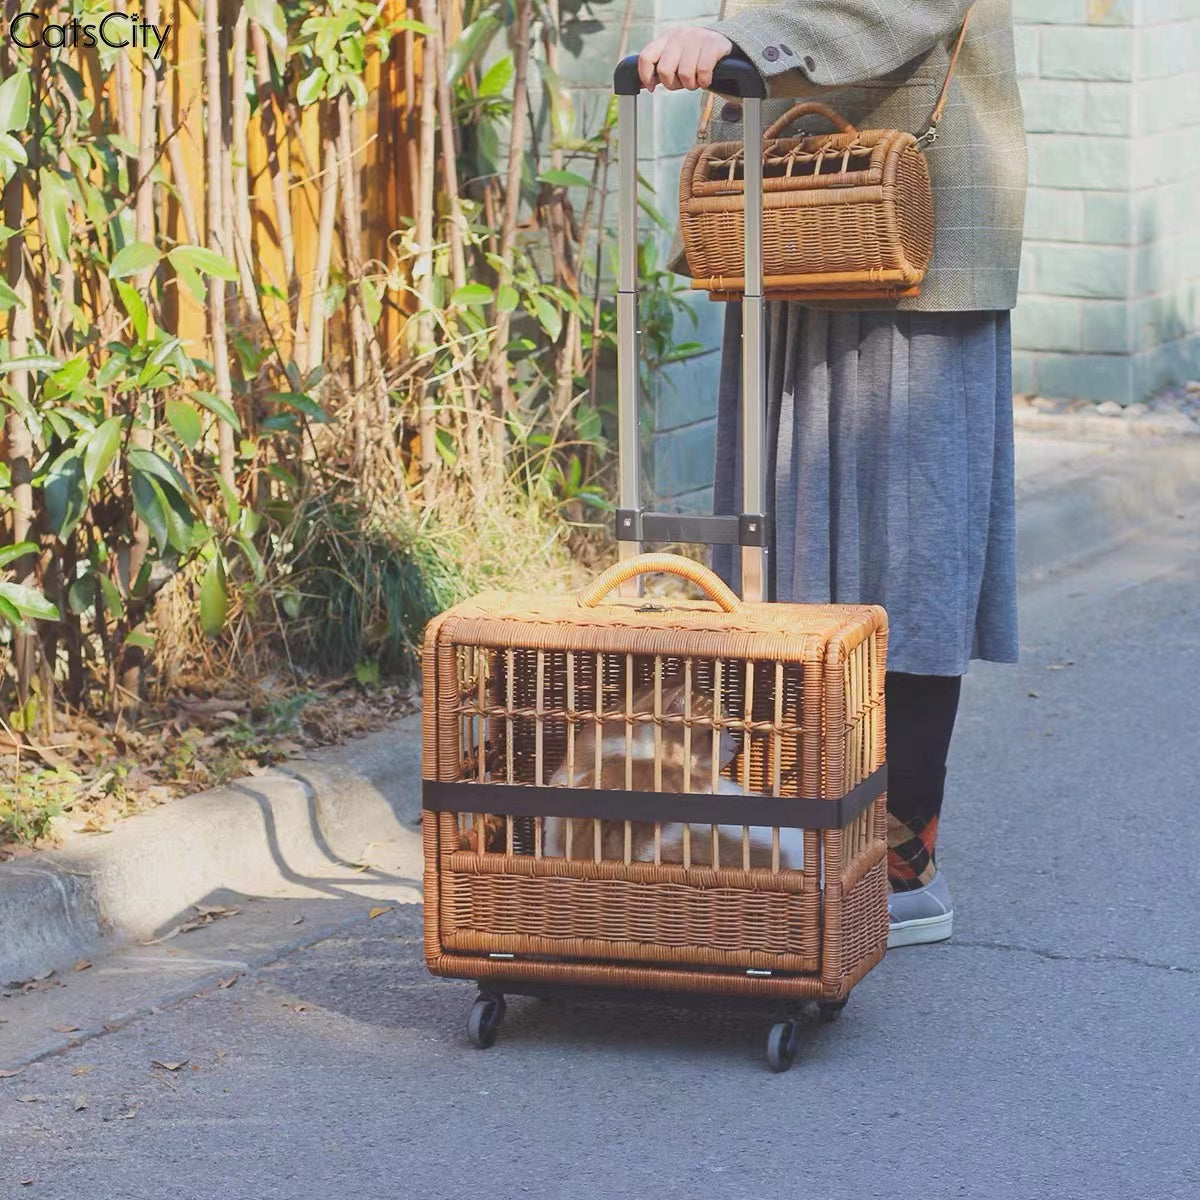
754,364
737,76
628,333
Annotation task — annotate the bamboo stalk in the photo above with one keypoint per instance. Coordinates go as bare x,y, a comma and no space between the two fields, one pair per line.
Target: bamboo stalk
325,231
213,142
279,170
427,412
141,437
240,164
498,373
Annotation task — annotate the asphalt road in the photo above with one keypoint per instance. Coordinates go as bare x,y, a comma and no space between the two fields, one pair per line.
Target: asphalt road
1050,1050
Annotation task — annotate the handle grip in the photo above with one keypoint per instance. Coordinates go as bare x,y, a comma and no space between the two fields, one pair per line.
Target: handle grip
654,564
734,75
806,108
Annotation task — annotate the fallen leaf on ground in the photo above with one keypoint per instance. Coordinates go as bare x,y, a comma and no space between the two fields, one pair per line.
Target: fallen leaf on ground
298,921
124,1116
168,1066
84,1070
10,1074
378,912
26,1182
29,1099
1033,695
227,983
92,825
166,937
299,1008
66,1028
42,977
82,965
80,1103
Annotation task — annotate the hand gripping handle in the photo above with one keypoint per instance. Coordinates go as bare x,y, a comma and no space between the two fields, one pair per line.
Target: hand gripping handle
734,75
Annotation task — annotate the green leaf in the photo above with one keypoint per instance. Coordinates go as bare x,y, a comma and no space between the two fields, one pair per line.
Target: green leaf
564,179
214,599
29,602
12,150
562,107
151,505
311,87
143,641
372,303
56,214
135,306
65,493
473,293
207,262
498,77
12,553
8,298
64,380
548,317
14,101
250,550
416,26
507,298
132,260
185,419
102,446
269,15
154,465
30,362
113,599
191,282
301,403
470,45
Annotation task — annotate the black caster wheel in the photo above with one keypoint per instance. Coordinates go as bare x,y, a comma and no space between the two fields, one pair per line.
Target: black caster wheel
782,1043
484,1022
831,1010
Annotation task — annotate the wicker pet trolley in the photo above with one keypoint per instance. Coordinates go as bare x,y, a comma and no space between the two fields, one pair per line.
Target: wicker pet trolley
681,798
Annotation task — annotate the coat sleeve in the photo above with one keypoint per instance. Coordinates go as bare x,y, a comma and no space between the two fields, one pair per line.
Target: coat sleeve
834,43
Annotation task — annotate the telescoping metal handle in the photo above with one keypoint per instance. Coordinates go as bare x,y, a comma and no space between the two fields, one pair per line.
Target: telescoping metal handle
733,76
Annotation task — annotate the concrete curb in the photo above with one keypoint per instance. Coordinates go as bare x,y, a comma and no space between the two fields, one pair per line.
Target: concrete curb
251,836
1076,497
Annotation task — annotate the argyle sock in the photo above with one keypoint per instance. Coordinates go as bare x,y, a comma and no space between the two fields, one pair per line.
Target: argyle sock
921,710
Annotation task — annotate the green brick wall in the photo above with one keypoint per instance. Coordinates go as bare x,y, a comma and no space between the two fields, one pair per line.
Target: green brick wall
1111,275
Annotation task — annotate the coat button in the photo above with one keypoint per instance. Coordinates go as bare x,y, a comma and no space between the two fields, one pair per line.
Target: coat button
786,49
810,63
731,112
771,53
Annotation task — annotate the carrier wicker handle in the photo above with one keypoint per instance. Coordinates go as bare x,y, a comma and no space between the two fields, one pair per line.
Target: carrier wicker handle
653,564
804,109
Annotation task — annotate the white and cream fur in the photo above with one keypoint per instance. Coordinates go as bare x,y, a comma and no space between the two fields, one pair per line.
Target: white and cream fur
642,776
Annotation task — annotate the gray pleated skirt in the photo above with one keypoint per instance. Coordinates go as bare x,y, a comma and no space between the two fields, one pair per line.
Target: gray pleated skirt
890,447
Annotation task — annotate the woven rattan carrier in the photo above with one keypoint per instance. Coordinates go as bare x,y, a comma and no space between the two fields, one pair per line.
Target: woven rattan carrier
847,215
511,686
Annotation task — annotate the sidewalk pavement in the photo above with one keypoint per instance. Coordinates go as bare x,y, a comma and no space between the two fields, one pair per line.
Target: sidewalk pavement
304,830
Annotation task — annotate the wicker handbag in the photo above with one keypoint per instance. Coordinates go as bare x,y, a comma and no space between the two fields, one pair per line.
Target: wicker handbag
847,215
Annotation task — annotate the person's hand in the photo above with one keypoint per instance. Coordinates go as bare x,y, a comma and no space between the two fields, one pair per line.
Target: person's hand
682,58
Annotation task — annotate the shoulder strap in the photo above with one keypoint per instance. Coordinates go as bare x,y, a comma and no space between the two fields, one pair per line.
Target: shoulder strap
710,98
931,134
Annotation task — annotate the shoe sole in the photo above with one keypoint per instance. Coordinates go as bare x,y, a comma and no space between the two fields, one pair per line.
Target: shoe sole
922,932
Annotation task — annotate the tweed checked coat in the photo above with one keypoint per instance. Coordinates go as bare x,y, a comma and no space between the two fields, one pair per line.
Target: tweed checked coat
882,63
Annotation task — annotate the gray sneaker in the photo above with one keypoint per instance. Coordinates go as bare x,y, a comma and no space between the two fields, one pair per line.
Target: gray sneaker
921,916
